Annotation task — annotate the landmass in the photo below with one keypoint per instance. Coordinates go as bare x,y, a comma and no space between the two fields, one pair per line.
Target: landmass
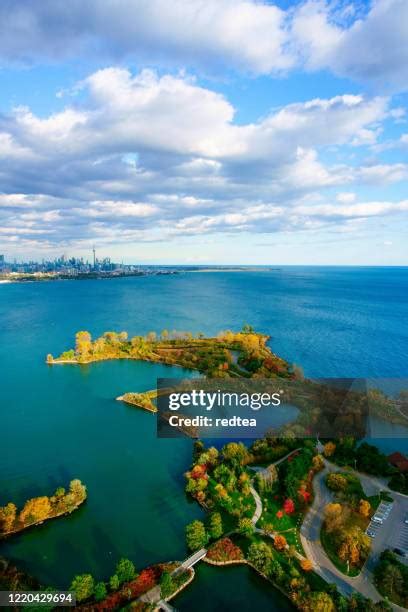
296,508
39,509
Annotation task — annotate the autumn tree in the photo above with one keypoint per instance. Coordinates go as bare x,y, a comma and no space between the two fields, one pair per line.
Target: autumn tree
317,463
333,517
36,509
329,449
245,526
364,508
306,565
77,489
336,482
7,517
318,601
123,336
280,542
353,546
83,344
235,453
196,535
83,586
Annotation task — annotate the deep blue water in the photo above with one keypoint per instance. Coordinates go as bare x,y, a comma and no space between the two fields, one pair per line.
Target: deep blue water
63,421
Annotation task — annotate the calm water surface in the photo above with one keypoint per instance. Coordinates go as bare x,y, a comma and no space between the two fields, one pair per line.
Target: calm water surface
62,422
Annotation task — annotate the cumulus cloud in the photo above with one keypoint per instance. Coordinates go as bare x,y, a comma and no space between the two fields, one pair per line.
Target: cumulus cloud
142,151
243,35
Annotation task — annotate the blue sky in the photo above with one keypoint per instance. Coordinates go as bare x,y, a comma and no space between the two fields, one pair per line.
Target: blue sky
217,131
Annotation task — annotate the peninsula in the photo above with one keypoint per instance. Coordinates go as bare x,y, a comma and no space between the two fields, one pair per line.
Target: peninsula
40,509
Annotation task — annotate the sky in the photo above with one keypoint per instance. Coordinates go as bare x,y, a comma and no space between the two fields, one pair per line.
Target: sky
205,131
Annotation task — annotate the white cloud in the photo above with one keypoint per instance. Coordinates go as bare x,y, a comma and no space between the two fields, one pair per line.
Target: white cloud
253,36
142,151
243,34
373,49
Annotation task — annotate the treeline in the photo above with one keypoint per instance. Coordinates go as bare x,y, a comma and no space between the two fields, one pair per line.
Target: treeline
126,585
39,509
211,356
391,578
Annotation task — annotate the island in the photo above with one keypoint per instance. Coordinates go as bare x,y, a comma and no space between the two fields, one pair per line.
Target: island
39,509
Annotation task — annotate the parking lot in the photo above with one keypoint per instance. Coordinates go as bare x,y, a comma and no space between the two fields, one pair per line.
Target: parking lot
388,529
379,517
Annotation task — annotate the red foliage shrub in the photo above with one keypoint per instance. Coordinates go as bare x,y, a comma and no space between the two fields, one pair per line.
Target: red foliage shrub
225,550
199,471
289,506
305,495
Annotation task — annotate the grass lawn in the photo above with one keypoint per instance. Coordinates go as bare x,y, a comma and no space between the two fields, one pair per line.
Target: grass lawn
293,539
270,507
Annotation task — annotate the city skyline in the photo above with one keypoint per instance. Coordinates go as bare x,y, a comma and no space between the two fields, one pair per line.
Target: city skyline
218,132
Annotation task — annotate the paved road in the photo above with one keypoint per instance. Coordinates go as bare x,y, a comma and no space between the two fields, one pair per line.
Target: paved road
387,537
258,506
310,537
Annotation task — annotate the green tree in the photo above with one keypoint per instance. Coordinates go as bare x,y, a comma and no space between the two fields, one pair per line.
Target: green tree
260,555
318,601
196,535
100,591
166,585
114,583
336,482
83,586
125,570
245,526
392,580
215,525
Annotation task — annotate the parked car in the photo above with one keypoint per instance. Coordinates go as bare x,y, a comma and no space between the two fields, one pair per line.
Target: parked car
400,552
406,520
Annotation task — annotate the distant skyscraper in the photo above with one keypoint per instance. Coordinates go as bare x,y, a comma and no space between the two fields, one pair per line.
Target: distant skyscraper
94,257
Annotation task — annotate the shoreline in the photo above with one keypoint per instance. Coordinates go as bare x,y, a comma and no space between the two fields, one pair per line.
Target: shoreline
5,535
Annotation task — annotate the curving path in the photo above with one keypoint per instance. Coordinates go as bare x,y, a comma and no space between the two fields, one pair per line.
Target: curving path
310,537
258,505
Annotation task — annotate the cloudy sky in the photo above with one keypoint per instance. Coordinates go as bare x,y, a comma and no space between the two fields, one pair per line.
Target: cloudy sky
205,131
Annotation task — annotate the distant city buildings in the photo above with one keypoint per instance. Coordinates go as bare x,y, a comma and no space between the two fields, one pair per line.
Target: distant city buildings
74,267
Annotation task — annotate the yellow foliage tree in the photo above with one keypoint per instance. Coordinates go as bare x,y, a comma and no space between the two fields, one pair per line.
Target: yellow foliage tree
77,489
365,508
83,344
306,565
333,517
7,517
317,463
35,509
329,449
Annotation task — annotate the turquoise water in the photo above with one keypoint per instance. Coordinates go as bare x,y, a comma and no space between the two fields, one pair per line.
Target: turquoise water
62,422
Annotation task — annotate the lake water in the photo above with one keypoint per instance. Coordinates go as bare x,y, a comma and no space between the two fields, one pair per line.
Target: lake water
62,422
